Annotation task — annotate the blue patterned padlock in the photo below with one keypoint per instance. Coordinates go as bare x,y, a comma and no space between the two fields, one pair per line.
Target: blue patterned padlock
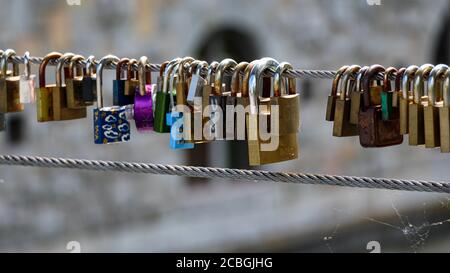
175,120
110,123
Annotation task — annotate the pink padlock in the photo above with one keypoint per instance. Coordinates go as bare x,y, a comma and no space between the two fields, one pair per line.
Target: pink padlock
143,101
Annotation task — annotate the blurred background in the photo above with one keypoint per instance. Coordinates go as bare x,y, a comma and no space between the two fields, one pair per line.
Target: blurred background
44,209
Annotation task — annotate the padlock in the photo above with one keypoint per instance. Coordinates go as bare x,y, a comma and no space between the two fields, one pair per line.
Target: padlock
208,133
331,103
9,85
235,113
288,101
162,105
342,126
273,148
132,81
175,118
356,96
398,88
89,92
182,89
197,102
416,108
374,131
387,95
74,83
218,99
27,82
119,97
406,98
61,111
143,102
431,110
110,123
444,114
44,97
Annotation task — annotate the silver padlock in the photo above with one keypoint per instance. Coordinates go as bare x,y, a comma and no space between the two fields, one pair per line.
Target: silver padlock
197,84
27,82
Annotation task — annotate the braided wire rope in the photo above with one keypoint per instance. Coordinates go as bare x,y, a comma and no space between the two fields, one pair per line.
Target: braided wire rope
228,174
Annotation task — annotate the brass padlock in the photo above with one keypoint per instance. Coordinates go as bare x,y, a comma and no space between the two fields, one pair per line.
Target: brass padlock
74,83
60,109
356,96
132,81
44,97
431,110
444,115
236,112
416,109
342,126
182,90
331,103
398,88
9,85
406,98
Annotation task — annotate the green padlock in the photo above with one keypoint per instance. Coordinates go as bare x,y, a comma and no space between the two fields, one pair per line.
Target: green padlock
162,100
387,95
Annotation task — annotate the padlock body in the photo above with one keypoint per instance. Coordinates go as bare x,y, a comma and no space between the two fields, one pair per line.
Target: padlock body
404,115
355,106
60,109
161,109
386,105
218,105
444,120
89,92
143,110
44,104
289,114
10,95
27,89
331,108
111,125
432,127
119,97
342,126
416,124
75,94
175,121
374,132
130,86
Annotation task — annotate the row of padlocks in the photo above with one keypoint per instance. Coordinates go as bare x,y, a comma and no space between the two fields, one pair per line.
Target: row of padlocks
198,102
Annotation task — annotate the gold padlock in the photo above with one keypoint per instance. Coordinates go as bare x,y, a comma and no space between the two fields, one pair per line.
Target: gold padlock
356,96
444,115
431,110
406,98
398,88
132,81
60,109
331,103
44,97
416,109
74,83
342,126
9,85
236,129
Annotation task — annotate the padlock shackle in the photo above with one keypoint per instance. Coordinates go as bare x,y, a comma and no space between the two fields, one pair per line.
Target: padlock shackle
7,54
131,73
446,88
42,67
349,75
75,63
373,71
65,59
236,78
182,68
421,76
398,79
200,66
337,79
255,81
245,80
119,68
225,65
387,83
173,76
278,78
408,77
90,66
360,78
209,76
167,71
143,80
105,61
27,64
435,81
163,68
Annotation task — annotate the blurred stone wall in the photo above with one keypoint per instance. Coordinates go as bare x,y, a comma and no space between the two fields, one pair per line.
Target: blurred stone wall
43,209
